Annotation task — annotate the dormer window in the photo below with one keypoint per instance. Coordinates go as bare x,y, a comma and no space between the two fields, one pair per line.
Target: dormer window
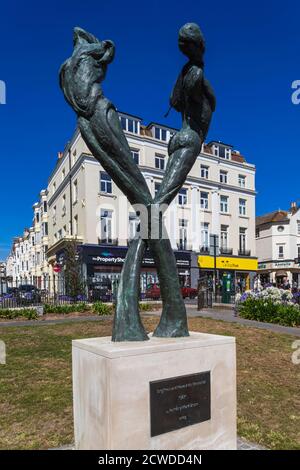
130,125
216,150
227,153
160,134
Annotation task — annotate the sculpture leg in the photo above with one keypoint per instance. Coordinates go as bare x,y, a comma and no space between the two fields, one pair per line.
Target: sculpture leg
127,322
173,321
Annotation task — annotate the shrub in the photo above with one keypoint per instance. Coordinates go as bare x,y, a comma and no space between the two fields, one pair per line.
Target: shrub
144,307
102,309
11,314
67,308
267,310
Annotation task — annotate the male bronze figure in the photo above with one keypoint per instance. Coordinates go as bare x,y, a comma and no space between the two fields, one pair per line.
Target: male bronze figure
98,121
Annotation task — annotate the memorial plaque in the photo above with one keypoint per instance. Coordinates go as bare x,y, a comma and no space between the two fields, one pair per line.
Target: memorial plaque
178,402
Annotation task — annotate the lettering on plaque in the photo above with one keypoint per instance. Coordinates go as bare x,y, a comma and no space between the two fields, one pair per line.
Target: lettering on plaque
179,401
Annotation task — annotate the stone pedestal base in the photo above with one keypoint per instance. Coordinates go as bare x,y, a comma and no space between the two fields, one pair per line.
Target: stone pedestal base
112,393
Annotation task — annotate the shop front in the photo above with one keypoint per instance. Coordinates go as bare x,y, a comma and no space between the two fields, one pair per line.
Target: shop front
102,265
233,274
283,274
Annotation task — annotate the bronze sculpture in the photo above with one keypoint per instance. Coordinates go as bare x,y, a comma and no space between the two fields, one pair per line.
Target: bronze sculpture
98,121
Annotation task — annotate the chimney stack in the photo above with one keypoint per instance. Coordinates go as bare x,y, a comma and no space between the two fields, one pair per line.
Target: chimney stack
294,207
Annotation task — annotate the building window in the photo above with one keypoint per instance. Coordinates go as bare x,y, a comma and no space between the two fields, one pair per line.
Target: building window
45,229
156,188
257,233
54,188
37,217
75,191
182,234
45,206
224,236
182,197
136,156
224,152
159,162
160,134
223,176
227,153
204,236
134,223
242,181
54,214
59,234
63,174
224,204
75,228
280,251
298,227
242,239
105,183
203,200
298,252
204,171
63,205
242,206
106,226
216,150
130,125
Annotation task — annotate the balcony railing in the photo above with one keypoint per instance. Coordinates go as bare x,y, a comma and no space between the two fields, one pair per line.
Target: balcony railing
182,245
226,251
108,241
244,252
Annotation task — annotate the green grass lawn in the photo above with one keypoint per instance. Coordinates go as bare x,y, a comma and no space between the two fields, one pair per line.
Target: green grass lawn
36,389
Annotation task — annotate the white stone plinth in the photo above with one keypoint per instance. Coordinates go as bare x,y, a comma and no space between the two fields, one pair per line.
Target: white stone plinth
111,391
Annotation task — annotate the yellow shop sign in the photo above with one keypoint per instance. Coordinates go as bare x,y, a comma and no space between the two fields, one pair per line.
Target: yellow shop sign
243,264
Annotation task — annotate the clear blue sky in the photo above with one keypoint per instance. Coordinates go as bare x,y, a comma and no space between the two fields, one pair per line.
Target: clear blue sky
253,51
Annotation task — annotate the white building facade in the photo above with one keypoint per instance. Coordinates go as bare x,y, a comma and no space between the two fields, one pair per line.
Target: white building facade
278,247
217,198
27,261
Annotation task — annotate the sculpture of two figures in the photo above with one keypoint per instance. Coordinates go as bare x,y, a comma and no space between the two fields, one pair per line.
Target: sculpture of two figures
98,122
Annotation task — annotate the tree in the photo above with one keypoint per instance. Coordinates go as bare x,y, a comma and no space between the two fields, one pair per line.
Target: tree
72,270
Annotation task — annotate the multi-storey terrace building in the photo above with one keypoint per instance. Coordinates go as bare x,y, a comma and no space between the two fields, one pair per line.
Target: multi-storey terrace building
218,198
278,247
27,260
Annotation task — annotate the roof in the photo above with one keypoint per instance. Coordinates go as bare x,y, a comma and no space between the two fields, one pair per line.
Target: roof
219,142
272,217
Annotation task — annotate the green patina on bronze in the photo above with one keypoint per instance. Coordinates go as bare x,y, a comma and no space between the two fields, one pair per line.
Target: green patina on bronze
98,121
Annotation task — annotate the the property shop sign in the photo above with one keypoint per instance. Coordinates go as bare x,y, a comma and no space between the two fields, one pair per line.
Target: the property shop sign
116,256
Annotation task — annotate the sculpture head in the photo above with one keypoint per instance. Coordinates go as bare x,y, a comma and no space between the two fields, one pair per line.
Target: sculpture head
191,42
81,74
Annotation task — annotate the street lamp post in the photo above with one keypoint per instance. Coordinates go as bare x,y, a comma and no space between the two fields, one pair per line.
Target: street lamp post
214,251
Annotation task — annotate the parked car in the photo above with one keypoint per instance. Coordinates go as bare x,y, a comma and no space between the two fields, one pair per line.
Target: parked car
153,292
188,292
28,294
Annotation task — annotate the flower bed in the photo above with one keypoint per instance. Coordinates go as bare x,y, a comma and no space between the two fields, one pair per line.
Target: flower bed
271,305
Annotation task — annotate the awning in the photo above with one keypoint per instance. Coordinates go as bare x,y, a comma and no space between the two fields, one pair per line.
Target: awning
280,273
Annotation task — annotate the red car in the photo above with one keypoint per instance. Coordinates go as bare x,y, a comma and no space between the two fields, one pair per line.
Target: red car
153,292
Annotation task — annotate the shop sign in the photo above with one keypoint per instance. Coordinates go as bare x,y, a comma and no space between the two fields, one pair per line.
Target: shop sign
262,266
282,264
117,255
222,262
